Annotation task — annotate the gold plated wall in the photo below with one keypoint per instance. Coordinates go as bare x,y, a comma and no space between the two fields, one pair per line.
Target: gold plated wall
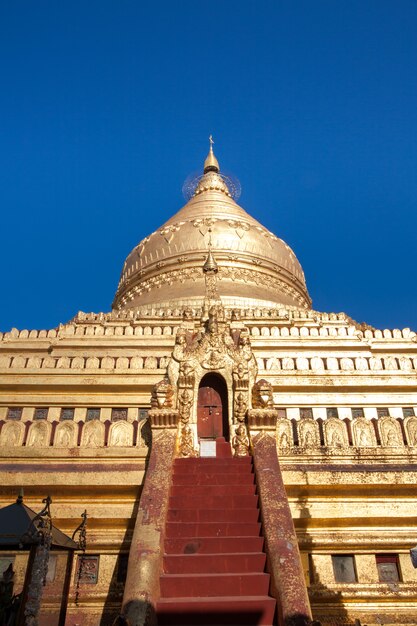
345,399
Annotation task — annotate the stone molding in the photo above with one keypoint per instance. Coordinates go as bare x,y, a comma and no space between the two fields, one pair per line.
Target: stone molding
327,363
163,418
262,419
134,289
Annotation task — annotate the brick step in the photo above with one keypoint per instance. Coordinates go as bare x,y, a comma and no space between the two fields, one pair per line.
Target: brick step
203,585
222,563
211,478
241,462
212,545
198,491
234,473
214,462
223,449
222,611
213,561
213,515
212,529
233,470
216,611
212,502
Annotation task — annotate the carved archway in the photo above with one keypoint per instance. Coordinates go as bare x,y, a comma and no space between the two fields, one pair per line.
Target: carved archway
211,353
212,408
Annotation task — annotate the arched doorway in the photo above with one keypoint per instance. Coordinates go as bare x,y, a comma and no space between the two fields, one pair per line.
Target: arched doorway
212,410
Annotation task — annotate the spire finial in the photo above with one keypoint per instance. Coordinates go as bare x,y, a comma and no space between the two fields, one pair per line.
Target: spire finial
209,241
211,164
210,265
210,270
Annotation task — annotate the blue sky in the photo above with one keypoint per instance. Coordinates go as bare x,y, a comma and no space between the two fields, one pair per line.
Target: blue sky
106,107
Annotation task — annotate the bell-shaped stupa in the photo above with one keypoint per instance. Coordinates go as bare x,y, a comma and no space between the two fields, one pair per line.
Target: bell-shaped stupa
255,267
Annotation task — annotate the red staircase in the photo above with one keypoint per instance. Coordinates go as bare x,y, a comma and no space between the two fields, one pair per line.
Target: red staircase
213,564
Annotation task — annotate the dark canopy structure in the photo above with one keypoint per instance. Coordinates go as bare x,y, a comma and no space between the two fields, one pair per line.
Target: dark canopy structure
19,528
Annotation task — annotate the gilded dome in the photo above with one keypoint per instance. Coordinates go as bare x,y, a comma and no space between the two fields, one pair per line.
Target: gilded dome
255,268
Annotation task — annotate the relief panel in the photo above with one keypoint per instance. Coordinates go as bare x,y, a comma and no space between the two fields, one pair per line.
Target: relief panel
317,364
39,435
63,362
107,363
390,432
122,363
308,433
363,433
65,435
136,363
92,363
284,434
335,433
12,434
410,424
121,434
93,434
77,363
19,362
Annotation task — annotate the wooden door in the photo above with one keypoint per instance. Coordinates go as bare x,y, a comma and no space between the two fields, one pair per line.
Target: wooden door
209,412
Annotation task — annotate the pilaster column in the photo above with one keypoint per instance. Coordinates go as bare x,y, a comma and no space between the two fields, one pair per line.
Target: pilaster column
142,581
283,555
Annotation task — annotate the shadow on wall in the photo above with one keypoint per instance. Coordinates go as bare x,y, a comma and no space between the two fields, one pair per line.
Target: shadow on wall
332,610
113,603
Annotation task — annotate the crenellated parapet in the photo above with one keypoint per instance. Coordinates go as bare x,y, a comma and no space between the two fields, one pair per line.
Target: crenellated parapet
288,341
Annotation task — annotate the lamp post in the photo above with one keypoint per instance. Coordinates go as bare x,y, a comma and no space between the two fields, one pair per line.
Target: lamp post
41,531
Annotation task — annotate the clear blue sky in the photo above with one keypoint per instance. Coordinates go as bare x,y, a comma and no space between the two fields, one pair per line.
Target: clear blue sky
106,107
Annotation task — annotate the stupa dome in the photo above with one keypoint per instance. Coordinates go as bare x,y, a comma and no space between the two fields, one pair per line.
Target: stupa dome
255,268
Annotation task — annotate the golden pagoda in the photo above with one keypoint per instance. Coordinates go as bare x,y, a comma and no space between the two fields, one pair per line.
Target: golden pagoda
242,458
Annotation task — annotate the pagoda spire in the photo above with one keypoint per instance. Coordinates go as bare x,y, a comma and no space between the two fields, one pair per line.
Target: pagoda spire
210,270
211,164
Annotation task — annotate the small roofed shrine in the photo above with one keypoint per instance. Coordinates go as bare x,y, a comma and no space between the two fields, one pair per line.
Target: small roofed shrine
35,565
